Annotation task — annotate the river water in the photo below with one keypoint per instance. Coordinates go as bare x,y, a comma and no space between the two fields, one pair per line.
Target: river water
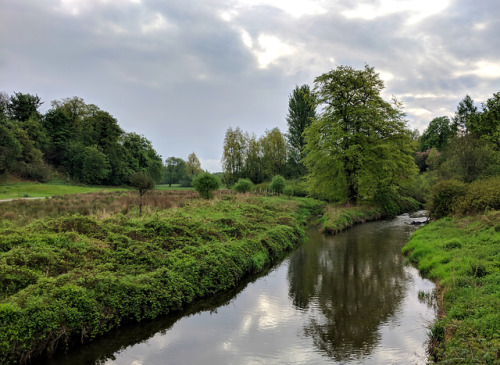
351,298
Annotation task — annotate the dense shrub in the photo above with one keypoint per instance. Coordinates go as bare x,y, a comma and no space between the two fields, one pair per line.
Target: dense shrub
443,196
278,184
205,183
480,195
243,185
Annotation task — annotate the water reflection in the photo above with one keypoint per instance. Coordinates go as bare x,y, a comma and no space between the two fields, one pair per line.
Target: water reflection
350,285
349,298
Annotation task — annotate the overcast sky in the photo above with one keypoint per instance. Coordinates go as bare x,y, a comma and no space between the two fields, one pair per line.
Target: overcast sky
180,72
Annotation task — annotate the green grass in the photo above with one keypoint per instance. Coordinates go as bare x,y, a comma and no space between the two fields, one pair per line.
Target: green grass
338,218
67,277
23,190
463,256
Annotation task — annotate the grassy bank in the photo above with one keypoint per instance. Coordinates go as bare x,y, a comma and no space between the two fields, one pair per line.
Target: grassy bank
67,277
31,189
463,256
338,218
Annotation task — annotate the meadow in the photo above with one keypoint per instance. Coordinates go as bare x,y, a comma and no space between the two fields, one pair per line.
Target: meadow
463,256
75,267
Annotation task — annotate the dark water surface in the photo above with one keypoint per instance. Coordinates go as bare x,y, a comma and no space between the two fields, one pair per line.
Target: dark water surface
344,299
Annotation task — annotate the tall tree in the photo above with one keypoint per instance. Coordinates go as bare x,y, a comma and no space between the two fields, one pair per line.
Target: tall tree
22,106
234,155
274,153
437,134
253,162
143,155
487,125
193,165
301,113
466,112
359,143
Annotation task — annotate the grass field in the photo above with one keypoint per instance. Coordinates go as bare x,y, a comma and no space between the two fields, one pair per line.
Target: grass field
30,189
463,256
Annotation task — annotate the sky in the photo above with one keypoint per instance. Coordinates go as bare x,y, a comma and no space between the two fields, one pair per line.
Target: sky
181,72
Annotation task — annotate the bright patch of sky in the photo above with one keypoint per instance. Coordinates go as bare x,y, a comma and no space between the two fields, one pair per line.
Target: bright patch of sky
419,10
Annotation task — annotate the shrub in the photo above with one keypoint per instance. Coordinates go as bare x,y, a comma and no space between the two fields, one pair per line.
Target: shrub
243,186
443,196
480,195
205,183
278,184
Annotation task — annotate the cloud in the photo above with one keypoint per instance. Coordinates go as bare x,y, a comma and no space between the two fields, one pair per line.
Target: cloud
182,73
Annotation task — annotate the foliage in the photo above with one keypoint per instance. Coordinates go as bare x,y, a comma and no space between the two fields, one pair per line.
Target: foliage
22,107
193,166
462,255
76,276
443,196
480,196
234,155
175,170
205,183
301,112
465,115
274,153
469,158
278,184
81,141
359,143
243,185
142,182
437,134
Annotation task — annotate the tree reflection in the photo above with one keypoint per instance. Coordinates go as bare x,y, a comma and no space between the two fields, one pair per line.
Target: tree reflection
349,284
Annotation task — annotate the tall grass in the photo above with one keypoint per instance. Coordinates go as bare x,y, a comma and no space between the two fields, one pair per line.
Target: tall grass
75,267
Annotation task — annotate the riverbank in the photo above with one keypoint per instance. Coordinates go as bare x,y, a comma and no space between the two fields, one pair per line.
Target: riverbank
463,256
336,219
70,278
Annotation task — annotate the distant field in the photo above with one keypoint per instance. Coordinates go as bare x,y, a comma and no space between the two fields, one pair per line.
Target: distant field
25,190
165,187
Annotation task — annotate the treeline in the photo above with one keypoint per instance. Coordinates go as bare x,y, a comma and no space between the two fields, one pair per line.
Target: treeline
349,145
77,141
459,159
274,153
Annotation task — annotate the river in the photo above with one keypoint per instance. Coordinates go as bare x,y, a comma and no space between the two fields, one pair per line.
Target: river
351,298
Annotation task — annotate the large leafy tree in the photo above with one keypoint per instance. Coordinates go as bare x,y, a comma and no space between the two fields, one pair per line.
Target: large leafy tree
359,145
175,170
437,134
234,155
274,153
22,106
143,155
301,112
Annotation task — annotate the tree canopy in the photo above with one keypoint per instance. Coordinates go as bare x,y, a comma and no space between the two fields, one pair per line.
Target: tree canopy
359,144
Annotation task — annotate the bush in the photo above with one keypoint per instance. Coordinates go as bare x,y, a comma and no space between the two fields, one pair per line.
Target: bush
443,196
480,195
205,183
243,186
39,171
278,184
